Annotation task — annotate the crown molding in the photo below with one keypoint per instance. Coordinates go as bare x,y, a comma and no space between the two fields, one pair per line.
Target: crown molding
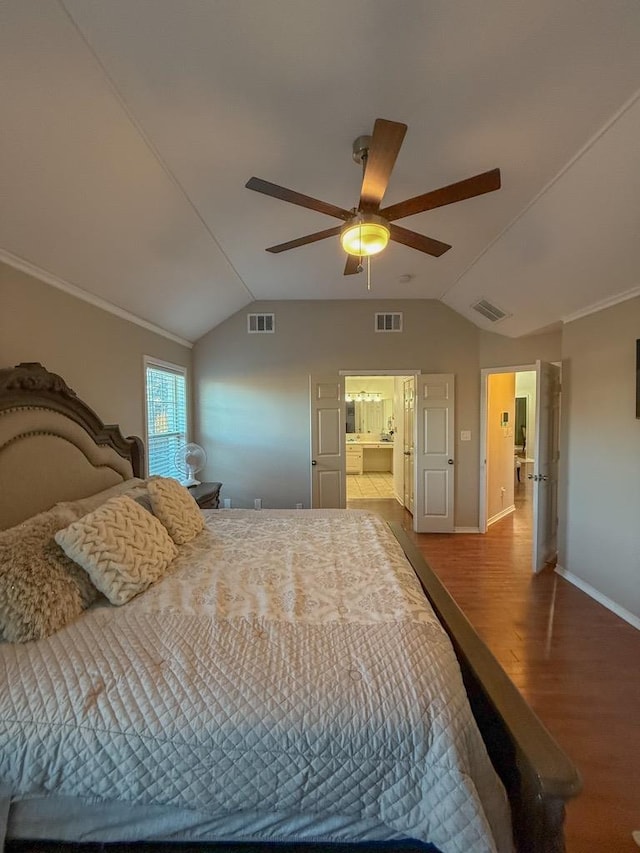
600,306
73,290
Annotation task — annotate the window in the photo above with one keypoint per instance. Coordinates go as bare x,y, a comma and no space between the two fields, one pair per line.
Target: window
166,404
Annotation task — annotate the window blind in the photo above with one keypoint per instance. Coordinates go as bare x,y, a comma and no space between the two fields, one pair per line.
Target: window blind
166,396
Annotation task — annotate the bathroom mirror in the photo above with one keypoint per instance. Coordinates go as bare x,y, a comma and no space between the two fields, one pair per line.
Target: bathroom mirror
368,415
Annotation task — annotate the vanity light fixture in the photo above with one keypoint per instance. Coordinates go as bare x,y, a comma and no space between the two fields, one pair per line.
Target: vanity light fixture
363,397
364,234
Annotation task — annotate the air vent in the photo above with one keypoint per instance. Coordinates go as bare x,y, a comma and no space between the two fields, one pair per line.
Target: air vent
489,311
389,322
261,324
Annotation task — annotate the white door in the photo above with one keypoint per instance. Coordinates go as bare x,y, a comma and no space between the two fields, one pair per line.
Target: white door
435,472
545,465
328,418
409,386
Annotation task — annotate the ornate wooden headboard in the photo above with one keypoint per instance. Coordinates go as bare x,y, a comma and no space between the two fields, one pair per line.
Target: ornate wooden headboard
53,447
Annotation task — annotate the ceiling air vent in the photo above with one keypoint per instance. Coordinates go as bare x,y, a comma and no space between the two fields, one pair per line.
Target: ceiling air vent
261,324
389,322
489,311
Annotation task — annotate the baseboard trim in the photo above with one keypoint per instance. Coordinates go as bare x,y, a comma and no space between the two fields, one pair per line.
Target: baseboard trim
500,515
592,592
466,530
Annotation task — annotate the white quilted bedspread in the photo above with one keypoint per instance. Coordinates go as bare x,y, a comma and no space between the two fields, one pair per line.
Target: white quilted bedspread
287,662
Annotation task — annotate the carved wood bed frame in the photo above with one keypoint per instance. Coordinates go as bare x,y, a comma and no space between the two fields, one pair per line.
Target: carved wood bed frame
538,776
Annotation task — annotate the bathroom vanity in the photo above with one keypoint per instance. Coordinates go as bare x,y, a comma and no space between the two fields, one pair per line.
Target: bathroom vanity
364,456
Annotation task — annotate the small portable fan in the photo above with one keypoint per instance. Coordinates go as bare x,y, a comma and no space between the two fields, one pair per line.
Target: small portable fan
189,459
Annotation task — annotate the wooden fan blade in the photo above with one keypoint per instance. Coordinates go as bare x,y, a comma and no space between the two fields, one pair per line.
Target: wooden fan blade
479,184
385,144
418,241
352,264
276,191
303,241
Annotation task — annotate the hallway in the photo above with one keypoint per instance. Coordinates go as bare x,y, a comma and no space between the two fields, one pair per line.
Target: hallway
574,661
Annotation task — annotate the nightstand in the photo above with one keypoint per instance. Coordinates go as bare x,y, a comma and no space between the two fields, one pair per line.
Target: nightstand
207,495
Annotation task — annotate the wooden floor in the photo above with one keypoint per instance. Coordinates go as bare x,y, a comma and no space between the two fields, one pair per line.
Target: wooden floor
576,663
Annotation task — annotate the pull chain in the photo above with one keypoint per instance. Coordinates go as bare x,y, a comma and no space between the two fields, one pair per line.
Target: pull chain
364,169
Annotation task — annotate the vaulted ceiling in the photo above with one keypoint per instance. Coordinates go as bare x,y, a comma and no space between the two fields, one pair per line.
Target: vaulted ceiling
130,127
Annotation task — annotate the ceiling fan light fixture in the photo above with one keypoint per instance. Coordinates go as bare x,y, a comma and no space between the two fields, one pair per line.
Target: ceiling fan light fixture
364,234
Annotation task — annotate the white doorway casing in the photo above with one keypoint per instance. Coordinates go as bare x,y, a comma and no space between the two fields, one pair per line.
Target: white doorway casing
434,436
408,442
546,429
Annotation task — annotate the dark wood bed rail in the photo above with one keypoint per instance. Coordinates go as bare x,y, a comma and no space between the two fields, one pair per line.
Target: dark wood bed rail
538,775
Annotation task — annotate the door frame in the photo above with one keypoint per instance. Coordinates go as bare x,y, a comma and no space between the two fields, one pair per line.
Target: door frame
415,372
485,372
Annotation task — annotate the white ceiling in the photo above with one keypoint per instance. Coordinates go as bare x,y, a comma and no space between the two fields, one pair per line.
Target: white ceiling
128,129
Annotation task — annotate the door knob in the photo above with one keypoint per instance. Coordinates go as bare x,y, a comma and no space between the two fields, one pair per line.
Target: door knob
313,462
407,453
449,461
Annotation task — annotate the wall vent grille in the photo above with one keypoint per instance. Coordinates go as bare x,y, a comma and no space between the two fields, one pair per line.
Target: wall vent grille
388,322
261,324
491,312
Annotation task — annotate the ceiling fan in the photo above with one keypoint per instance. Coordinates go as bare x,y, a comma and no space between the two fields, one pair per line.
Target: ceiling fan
367,228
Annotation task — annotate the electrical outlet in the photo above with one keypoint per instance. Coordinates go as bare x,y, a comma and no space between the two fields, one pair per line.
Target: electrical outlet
298,506
257,503
226,503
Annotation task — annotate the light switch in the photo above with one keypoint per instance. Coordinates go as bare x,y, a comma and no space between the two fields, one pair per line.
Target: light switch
465,435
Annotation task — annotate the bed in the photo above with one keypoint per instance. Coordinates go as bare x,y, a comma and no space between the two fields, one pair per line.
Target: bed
291,679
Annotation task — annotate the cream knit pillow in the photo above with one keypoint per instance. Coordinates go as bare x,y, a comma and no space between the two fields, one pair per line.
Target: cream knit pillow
176,509
121,546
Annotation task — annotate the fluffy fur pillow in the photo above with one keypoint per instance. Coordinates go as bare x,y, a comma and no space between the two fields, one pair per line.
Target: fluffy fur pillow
176,509
121,546
41,589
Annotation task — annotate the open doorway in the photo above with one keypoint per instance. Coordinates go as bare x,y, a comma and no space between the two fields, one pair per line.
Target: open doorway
510,439
431,444
378,439
520,409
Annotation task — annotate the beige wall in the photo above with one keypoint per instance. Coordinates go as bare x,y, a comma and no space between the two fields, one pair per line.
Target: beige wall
599,538
497,351
501,389
98,354
252,396
253,390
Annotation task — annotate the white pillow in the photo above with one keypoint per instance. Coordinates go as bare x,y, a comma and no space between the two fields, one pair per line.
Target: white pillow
176,508
121,546
132,487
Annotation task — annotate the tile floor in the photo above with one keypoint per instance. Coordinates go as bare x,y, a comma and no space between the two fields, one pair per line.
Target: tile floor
370,486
